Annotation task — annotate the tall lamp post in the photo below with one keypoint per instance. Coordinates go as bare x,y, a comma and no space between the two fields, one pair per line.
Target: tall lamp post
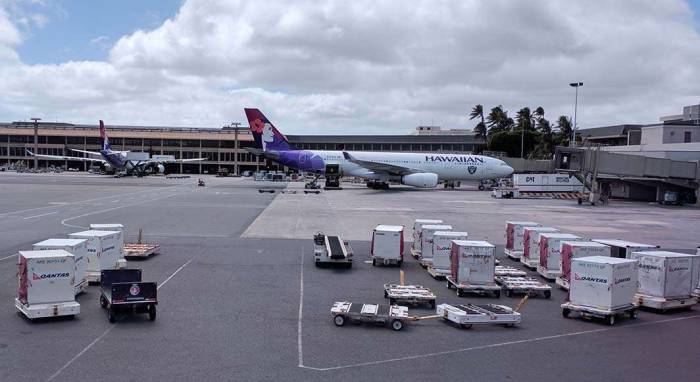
36,141
576,85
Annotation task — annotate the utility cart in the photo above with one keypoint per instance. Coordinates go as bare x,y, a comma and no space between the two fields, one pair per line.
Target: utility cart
331,250
438,274
136,250
609,315
470,314
124,292
394,315
463,289
409,294
523,285
505,270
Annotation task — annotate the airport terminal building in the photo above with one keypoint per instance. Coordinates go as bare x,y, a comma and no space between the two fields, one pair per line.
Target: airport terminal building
223,147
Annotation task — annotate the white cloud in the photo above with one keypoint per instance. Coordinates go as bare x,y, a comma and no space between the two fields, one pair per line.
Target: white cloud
368,66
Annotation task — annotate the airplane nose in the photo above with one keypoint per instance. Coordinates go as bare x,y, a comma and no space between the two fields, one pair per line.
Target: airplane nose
507,170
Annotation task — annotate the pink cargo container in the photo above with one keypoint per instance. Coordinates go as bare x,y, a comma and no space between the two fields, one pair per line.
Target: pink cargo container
574,249
472,262
531,252
514,237
550,255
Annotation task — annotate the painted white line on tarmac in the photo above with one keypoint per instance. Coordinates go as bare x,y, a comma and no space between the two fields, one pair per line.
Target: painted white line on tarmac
301,311
104,334
8,257
37,216
496,345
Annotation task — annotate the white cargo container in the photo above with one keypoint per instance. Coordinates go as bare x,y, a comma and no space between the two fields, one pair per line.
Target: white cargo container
550,253
696,274
417,227
546,183
77,248
426,237
575,249
472,262
665,279
387,244
103,252
604,283
122,237
46,284
442,249
623,249
531,245
514,237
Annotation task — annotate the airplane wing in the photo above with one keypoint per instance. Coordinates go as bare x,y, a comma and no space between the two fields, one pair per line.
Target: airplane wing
62,157
378,167
176,160
86,152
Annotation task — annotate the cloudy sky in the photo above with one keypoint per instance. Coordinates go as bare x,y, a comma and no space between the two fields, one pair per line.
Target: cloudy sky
339,67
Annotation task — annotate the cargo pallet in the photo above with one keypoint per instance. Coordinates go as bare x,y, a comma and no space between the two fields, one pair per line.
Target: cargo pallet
562,283
394,315
530,264
409,294
664,304
137,250
610,316
438,274
523,285
425,263
415,253
548,274
512,254
504,270
463,289
384,261
57,309
487,314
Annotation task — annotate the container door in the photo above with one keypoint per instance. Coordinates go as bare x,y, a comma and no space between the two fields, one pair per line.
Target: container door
23,280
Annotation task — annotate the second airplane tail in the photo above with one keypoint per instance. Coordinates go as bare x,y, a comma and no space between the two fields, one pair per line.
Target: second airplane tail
103,136
267,137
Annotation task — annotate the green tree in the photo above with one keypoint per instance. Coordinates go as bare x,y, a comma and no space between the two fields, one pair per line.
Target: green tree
524,119
480,128
497,120
563,133
544,148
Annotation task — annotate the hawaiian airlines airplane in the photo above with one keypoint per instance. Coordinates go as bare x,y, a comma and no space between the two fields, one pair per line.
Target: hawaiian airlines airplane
423,170
119,160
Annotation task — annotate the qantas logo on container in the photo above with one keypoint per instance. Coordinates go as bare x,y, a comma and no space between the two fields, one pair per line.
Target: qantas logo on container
622,280
45,276
443,248
591,279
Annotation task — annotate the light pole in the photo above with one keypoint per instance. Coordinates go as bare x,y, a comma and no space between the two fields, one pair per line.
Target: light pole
36,141
576,85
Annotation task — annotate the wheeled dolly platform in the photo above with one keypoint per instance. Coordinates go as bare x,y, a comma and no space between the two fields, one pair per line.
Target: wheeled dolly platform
562,283
486,314
504,270
530,264
69,308
136,250
409,294
523,285
664,304
548,274
394,315
438,274
513,255
425,263
464,289
610,316
415,253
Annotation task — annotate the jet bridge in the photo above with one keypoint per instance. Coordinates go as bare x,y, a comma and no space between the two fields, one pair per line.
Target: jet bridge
646,177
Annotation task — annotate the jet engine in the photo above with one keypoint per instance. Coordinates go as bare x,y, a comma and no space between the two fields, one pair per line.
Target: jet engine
421,179
106,167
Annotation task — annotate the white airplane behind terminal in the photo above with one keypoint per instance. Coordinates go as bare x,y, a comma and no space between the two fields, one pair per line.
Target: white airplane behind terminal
423,170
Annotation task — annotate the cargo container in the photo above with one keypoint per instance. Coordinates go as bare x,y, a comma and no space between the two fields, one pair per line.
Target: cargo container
472,262
111,227
427,232
605,283
103,251
531,245
46,284
417,227
387,244
696,274
546,183
575,249
665,279
622,249
514,238
549,265
442,249
77,248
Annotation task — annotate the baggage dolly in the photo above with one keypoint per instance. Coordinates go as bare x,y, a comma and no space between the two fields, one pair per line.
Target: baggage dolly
513,255
467,315
415,253
523,285
140,250
664,304
438,274
505,270
394,315
425,263
464,289
610,316
409,294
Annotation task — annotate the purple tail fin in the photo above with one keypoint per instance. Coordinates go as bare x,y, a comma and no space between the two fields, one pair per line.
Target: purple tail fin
267,137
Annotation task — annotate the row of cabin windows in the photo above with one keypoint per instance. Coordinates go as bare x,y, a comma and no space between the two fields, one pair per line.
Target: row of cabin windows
446,147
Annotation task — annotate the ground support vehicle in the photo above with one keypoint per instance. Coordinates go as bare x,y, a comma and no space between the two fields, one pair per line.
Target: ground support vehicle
331,250
464,289
409,294
124,292
523,285
485,314
394,315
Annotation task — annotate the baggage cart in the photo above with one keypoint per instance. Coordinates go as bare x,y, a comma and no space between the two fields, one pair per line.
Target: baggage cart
484,314
610,316
409,294
664,304
394,315
481,289
136,250
331,250
504,270
124,292
666,279
438,274
524,285
514,237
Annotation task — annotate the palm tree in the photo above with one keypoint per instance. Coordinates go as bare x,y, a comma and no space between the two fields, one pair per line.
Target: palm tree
523,119
480,128
563,135
497,120
537,116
